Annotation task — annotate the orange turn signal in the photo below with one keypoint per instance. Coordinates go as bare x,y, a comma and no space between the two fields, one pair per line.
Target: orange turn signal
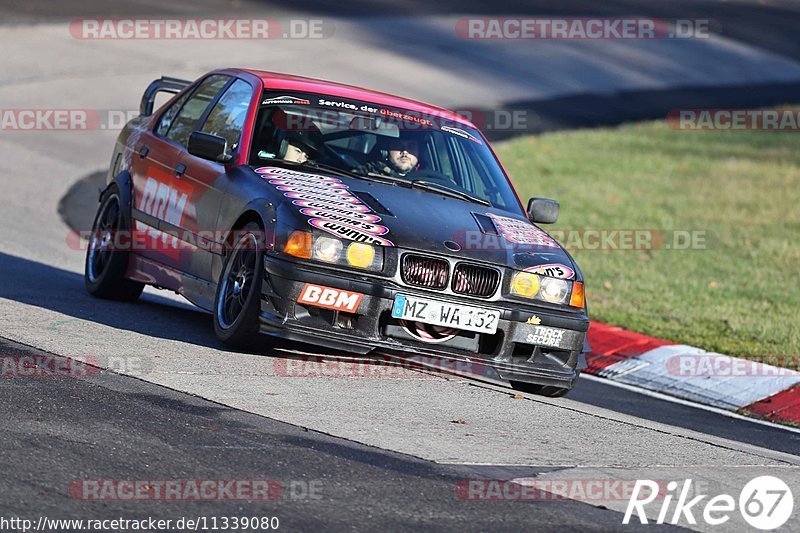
298,244
576,300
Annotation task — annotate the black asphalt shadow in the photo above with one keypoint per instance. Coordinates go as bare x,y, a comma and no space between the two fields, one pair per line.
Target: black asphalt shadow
64,292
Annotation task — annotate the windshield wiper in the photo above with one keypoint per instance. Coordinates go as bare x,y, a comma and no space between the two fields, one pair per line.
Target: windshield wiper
384,178
370,176
330,168
443,189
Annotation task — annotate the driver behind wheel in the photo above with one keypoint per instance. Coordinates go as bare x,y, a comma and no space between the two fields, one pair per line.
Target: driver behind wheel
402,157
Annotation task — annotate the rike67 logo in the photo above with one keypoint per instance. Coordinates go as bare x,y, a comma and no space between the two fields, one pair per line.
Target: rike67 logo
765,503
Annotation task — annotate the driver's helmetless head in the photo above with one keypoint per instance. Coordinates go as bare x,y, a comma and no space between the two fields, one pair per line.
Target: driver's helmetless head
295,153
403,155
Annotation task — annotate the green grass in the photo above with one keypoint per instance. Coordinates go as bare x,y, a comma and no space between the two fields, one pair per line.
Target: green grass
741,294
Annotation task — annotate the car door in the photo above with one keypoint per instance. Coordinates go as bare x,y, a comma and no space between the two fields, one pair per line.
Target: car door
225,119
162,199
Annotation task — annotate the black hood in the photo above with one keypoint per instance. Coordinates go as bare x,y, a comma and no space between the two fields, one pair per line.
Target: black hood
430,222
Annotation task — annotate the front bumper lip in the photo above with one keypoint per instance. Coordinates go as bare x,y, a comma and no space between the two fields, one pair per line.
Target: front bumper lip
284,279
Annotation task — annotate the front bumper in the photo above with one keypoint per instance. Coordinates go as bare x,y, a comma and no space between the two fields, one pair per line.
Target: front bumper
512,354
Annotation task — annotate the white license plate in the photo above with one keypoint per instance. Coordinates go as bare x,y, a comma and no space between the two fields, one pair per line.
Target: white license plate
438,313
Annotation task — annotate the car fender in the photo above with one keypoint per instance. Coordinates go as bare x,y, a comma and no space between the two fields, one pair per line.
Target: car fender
262,210
124,184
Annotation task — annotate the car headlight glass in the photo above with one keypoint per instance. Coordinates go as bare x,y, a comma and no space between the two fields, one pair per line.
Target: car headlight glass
525,284
360,255
327,249
554,290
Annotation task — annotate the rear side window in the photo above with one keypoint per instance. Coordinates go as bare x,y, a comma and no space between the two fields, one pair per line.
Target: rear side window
169,115
227,117
185,121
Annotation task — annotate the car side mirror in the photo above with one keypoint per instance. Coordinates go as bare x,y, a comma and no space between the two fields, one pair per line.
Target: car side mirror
543,210
207,146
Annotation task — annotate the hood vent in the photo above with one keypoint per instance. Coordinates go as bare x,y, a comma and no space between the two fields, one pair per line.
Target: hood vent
485,223
373,203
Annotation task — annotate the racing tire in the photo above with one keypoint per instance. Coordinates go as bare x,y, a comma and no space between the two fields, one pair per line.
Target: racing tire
237,304
105,266
540,390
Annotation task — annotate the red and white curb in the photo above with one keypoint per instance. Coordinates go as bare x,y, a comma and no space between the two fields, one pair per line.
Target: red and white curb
729,383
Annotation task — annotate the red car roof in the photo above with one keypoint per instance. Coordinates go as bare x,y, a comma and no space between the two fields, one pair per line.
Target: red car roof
276,80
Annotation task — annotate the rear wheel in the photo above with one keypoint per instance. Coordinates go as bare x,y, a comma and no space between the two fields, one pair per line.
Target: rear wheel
104,271
237,305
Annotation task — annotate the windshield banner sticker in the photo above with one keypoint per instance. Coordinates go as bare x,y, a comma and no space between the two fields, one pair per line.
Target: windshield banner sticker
285,100
329,204
460,133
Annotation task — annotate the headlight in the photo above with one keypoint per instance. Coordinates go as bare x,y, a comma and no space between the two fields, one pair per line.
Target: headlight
525,284
322,247
552,290
360,255
327,249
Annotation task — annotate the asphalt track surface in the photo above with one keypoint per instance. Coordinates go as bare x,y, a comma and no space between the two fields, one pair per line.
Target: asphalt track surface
767,24
387,451
105,426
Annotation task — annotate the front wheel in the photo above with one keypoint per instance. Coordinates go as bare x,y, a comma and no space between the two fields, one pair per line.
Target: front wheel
237,305
104,272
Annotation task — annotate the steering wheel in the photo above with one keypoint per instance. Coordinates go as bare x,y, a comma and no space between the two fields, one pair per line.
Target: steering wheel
341,160
432,175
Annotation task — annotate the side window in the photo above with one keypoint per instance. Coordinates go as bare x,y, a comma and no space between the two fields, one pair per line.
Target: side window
193,109
227,117
166,119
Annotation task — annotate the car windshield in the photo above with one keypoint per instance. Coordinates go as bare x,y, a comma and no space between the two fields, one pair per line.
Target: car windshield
382,143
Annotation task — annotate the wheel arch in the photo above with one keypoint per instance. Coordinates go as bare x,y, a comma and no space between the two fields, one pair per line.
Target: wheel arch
124,183
262,212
